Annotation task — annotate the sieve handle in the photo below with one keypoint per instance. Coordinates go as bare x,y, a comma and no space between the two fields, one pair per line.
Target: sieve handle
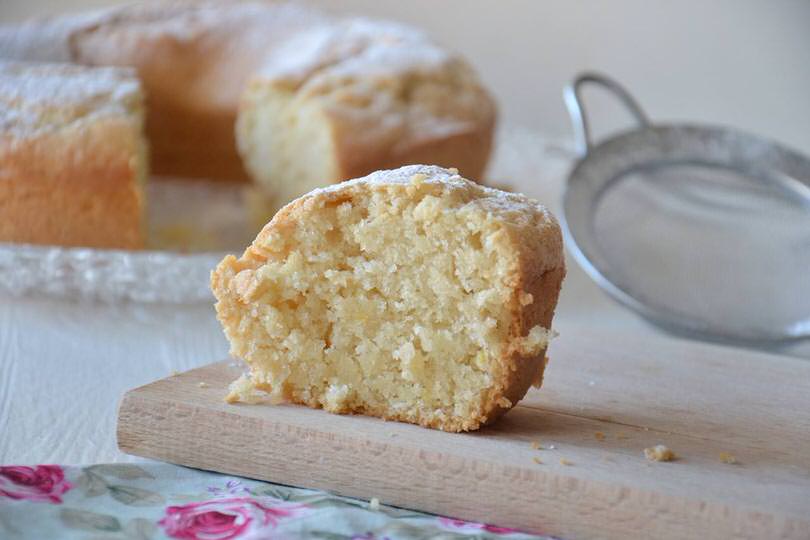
576,107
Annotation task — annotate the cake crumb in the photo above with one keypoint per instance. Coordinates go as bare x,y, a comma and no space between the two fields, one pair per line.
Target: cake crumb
659,452
599,436
536,341
536,445
622,436
202,384
504,402
564,461
374,504
537,460
728,458
242,391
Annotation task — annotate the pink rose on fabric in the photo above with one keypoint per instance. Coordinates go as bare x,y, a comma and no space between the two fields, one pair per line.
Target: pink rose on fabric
224,519
461,525
42,483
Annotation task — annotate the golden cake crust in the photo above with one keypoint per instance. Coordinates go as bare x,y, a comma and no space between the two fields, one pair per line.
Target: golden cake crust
535,279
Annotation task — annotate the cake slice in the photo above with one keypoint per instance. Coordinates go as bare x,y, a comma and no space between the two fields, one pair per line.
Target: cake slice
411,294
72,156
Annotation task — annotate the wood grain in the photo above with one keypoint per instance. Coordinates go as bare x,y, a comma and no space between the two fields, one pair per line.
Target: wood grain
605,399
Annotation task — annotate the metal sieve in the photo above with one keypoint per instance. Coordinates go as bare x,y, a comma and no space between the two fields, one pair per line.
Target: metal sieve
700,229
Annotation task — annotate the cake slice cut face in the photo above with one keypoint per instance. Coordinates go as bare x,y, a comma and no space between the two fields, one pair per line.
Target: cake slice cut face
412,295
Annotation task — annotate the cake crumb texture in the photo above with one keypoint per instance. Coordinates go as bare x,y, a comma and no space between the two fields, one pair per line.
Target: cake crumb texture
396,295
728,458
659,452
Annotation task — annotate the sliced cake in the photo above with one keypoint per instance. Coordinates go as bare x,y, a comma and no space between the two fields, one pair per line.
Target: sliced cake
410,294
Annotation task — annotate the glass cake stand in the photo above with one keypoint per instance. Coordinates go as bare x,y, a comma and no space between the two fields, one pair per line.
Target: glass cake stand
191,225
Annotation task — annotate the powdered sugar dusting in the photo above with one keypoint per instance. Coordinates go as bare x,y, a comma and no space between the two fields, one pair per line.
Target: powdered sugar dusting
352,47
225,41
47,39
40,96
494,199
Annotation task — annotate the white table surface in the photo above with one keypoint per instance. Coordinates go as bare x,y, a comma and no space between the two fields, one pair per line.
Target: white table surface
65,364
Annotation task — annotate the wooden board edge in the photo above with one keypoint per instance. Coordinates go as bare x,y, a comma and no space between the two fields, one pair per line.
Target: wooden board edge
528,498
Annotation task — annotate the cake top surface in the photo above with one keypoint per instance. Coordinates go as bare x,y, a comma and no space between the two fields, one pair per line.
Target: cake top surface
226,40
352,47
236,32
47,38
515,208
37,97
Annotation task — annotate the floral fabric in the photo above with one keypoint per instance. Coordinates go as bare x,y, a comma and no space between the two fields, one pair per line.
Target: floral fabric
152,501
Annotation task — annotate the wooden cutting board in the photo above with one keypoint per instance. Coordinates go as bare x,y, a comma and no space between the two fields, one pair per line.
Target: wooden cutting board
605,399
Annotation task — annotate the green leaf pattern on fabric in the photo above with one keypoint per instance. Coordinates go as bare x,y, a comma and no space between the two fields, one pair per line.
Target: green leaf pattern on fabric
158,501
135,496
88,521
92,484
140,529
122,471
